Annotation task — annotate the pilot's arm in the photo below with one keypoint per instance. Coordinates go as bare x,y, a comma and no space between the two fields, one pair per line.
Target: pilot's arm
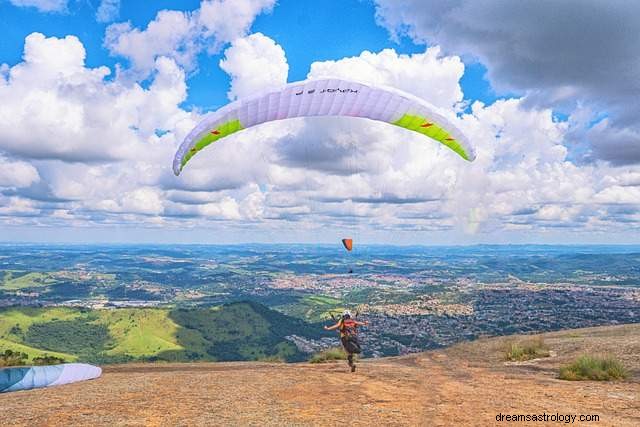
334,327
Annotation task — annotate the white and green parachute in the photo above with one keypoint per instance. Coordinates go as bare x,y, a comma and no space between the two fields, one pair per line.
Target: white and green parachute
327,97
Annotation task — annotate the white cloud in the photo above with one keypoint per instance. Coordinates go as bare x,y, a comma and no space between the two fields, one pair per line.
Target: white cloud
346,171
15,207
619,195
142,200
99,160
17,174
56,108
172,33
255,63
89,145
183,35
42,5
226,20
428,75
108,10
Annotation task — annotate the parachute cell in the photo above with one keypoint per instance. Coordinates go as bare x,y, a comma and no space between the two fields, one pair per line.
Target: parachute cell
328,97
348,244
26,378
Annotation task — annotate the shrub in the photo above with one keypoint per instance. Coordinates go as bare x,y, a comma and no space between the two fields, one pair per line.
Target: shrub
47,360
12,358
526,350
594,368
334,353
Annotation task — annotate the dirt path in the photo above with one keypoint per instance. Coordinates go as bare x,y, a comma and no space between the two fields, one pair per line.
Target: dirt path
464,385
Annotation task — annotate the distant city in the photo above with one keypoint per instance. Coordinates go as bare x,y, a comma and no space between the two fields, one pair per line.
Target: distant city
415,298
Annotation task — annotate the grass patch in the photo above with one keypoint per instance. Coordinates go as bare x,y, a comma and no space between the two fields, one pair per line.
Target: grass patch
334,353
31,351
29,280
520,351
593,368
140,333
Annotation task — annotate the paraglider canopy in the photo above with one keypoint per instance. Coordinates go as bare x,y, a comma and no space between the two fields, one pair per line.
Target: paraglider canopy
26,378
326,97
348,244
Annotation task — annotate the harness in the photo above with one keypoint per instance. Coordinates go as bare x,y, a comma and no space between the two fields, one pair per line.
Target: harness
348,328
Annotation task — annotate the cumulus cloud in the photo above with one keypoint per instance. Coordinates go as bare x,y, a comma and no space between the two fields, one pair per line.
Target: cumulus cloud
225,20
42,5
255,63
183,35
428,75
321,172
142,200
106,160
171,33
56,108
88,147
558,53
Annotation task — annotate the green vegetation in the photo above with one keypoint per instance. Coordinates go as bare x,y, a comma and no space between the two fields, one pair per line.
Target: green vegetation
100,336
13,281
30,351
594,368
520,351
47,360
78,336
236,331
15,322
13,358
334,353
18,320
140,333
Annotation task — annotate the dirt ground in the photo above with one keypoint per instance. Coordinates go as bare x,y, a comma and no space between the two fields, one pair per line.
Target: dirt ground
467,384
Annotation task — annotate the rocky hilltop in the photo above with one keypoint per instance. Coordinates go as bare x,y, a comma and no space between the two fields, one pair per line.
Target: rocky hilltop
468,384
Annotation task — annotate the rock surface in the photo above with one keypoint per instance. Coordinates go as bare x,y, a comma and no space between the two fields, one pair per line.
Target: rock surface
467,384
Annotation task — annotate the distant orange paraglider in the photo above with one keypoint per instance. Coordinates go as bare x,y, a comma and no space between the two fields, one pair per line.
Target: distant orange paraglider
348,244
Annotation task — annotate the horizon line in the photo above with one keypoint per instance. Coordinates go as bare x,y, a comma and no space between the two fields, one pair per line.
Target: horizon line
93,243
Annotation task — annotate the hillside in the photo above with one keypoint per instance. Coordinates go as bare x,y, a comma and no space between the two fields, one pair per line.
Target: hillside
467,384
234,331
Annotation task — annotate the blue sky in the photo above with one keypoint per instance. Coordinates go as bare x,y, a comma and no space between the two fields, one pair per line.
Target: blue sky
558,143
307,31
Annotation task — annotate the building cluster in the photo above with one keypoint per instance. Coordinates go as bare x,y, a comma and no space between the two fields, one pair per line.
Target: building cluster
495,310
